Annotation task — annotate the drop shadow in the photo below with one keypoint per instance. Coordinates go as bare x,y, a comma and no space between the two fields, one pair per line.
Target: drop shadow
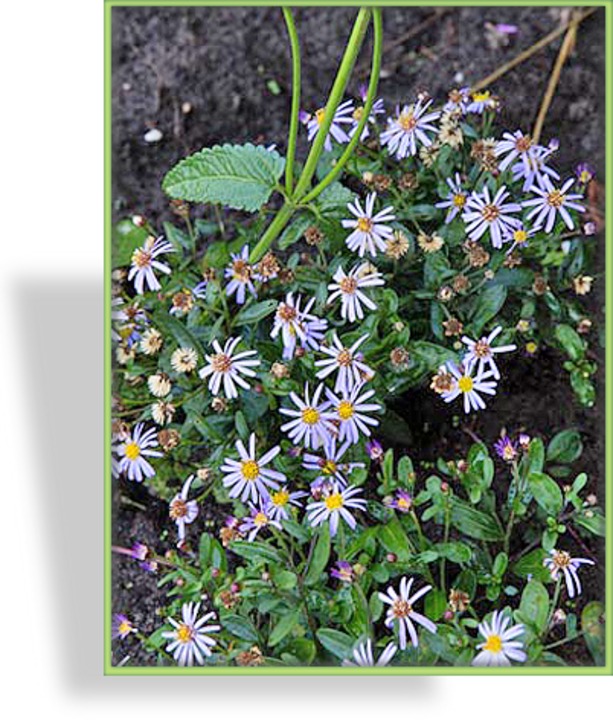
61,346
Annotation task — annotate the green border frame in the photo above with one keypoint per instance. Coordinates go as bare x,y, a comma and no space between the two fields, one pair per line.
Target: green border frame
109,669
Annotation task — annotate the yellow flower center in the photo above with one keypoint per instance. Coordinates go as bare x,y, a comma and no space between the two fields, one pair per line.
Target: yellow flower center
320,115
520,236
280,498
328,467
124,627
241,271
344,358
260,519
459,200
490,213
493,644
184,633
407,121
531,348
403,502
364,224
345,410
132,451
555,199
250,470
310,416
481,96
358,113
585,176
465,384
401,608
334,501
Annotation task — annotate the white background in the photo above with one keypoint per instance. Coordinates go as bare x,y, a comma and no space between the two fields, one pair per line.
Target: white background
51,234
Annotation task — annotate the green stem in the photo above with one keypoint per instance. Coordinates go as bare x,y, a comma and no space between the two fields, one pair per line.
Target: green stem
445,540
272,232
370,100
564,640
517,483
554,603
296,82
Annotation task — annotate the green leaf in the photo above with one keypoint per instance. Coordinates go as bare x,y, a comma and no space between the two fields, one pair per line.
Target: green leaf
456,552
256,551
169,325
531,565
474,523
256,312
126,238
394,539
488,305
334,197
565,447
435,604
534,605
570,341
283,627
338,643
594,629
204,550
240,627
547,492
592,520
536,455
321,555
295,231
240,176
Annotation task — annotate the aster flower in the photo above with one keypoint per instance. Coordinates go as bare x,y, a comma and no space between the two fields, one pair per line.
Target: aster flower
402,501
190,638
483,214
534,166
241,275
144,263
456,199
409,126
334,506
562,562
518,236
506,449
159,384
259,518
374,450
184,360
349,289
311,423
551,202
226,367
347,362
122,627
182,510
151,342
515,147
457,100
481,353
343,571
481,101
401,611
281,499
378,108
500,646
295,324
350,412
141,553
248,477
585,173
329,466
370,232
465,384
342,116
363,655
134,451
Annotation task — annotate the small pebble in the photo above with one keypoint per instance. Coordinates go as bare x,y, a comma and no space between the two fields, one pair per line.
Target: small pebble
153,136
186,108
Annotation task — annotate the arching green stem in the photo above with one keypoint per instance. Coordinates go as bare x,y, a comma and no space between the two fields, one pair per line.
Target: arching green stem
296,86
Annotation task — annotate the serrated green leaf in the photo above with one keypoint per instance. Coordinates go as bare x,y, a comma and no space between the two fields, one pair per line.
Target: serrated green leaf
239,176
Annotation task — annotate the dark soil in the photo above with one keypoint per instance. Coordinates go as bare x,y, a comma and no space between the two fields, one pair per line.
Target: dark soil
220,60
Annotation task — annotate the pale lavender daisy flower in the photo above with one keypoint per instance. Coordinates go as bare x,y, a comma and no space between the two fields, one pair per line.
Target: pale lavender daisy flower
260,517
182,510
506,449
456,199
281,499
363,655
347,361
370,232
190,637
409,126
551,201
562,562
378,108
401,611
248,477
515,147
458,99
350,411
329,464
134,451
481,353
483,214
465,384
402,501
312,423
228,368
241,275
144,263
481,101
343,571
122,627
342,116
334,506
534,166
519,236
295,324
349,289
500,646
